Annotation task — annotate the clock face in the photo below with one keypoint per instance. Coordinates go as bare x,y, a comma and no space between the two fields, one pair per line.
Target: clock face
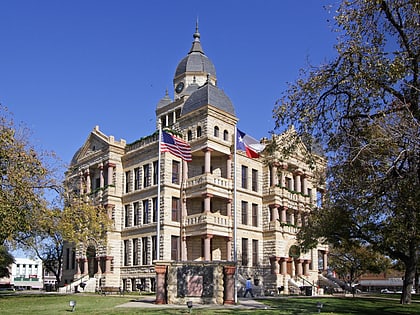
179,87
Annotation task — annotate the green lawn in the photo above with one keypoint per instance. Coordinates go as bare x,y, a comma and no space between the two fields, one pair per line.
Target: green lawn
96,304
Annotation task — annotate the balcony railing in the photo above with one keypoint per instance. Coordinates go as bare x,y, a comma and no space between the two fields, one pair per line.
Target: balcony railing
209,179
208,218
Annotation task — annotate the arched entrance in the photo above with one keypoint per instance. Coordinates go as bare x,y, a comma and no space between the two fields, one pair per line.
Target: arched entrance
91,255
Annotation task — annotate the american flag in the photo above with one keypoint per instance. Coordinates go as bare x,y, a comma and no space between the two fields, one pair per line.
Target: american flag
176,146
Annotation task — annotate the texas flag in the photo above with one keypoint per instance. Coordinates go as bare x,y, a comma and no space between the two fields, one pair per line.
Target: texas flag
246,143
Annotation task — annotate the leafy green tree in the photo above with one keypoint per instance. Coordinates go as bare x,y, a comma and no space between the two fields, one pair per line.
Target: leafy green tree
363,108
26,178
353,260
6,260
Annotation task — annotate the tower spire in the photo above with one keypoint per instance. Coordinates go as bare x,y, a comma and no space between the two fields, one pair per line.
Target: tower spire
196,45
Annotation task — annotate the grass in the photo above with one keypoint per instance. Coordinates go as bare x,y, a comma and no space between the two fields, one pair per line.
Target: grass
105,305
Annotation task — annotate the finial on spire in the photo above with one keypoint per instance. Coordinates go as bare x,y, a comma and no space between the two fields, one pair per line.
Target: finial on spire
197,33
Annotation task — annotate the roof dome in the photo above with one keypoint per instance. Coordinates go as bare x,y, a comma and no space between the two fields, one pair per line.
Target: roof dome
196,60
164,101
208,94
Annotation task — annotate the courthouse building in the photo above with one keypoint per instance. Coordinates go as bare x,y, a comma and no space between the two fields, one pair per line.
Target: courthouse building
198,199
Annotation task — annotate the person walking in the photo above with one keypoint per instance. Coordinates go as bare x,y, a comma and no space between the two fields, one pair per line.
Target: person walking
248,288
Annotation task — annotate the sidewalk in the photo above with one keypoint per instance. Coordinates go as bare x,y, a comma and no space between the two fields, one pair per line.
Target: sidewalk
149,302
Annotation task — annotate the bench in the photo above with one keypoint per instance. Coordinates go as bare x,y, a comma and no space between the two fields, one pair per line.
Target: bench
105,290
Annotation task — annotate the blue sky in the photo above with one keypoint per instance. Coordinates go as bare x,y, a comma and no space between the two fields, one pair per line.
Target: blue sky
67,66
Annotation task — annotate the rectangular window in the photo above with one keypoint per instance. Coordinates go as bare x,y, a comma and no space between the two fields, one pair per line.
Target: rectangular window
135,251
146,176
244,177
254,180
254,253
175,172
144,250
244,252
67,258
244,212
127,182
155,209
126,215
175,209
146,211
73,259
254,214
137,178
136,213
154,249
126,252
155,172
175,247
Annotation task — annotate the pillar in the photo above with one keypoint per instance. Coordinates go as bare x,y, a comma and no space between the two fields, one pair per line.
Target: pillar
229,166
283,266
85,266
304,184
275,265
274,179
184,253
228,248
325,260
110,173
101,175
283,214
299,268
78,272
229,288
207,247
207,160
108,260
306,265
160,284
298,184
88,182
98,264
229,208
274,212
207,199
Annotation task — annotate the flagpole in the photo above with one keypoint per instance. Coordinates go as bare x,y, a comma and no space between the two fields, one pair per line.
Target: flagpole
158,197
235,253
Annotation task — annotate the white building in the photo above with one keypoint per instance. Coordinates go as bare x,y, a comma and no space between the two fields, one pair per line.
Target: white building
27,274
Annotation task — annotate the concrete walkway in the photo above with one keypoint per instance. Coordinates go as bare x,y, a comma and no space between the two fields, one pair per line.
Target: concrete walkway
149,302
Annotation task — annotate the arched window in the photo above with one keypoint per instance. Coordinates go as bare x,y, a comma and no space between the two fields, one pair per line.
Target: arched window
216,132
189,135
198,131
225,135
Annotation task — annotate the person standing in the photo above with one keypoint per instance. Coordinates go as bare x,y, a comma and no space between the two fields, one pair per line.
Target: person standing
248,287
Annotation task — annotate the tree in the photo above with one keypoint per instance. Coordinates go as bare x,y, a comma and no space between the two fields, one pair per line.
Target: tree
363,108
6,260
76,223
353,260
25,178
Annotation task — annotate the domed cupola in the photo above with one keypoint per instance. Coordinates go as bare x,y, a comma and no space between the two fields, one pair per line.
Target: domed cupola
196,68
166,100
208,94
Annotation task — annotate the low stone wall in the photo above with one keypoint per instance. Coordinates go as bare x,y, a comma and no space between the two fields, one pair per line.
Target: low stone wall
198,282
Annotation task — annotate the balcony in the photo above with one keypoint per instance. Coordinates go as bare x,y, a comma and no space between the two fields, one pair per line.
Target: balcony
209,183
211,223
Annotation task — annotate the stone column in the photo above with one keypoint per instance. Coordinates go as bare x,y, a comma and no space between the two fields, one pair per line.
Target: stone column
101,175
292,217
306,265
78,272
184,248
274,212
85,266
299,268
275,265
283,214
98,264
298,186
229,296
229,166
207,199
325,260
108,260
304,184
81,181
110,173
207,247
274,177
88,182
160,284
207,160
283,265
228,248
229,207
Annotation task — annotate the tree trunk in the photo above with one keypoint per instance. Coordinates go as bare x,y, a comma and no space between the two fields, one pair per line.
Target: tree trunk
410,273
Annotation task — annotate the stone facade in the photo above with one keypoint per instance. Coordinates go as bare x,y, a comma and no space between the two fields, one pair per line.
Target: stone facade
271,196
